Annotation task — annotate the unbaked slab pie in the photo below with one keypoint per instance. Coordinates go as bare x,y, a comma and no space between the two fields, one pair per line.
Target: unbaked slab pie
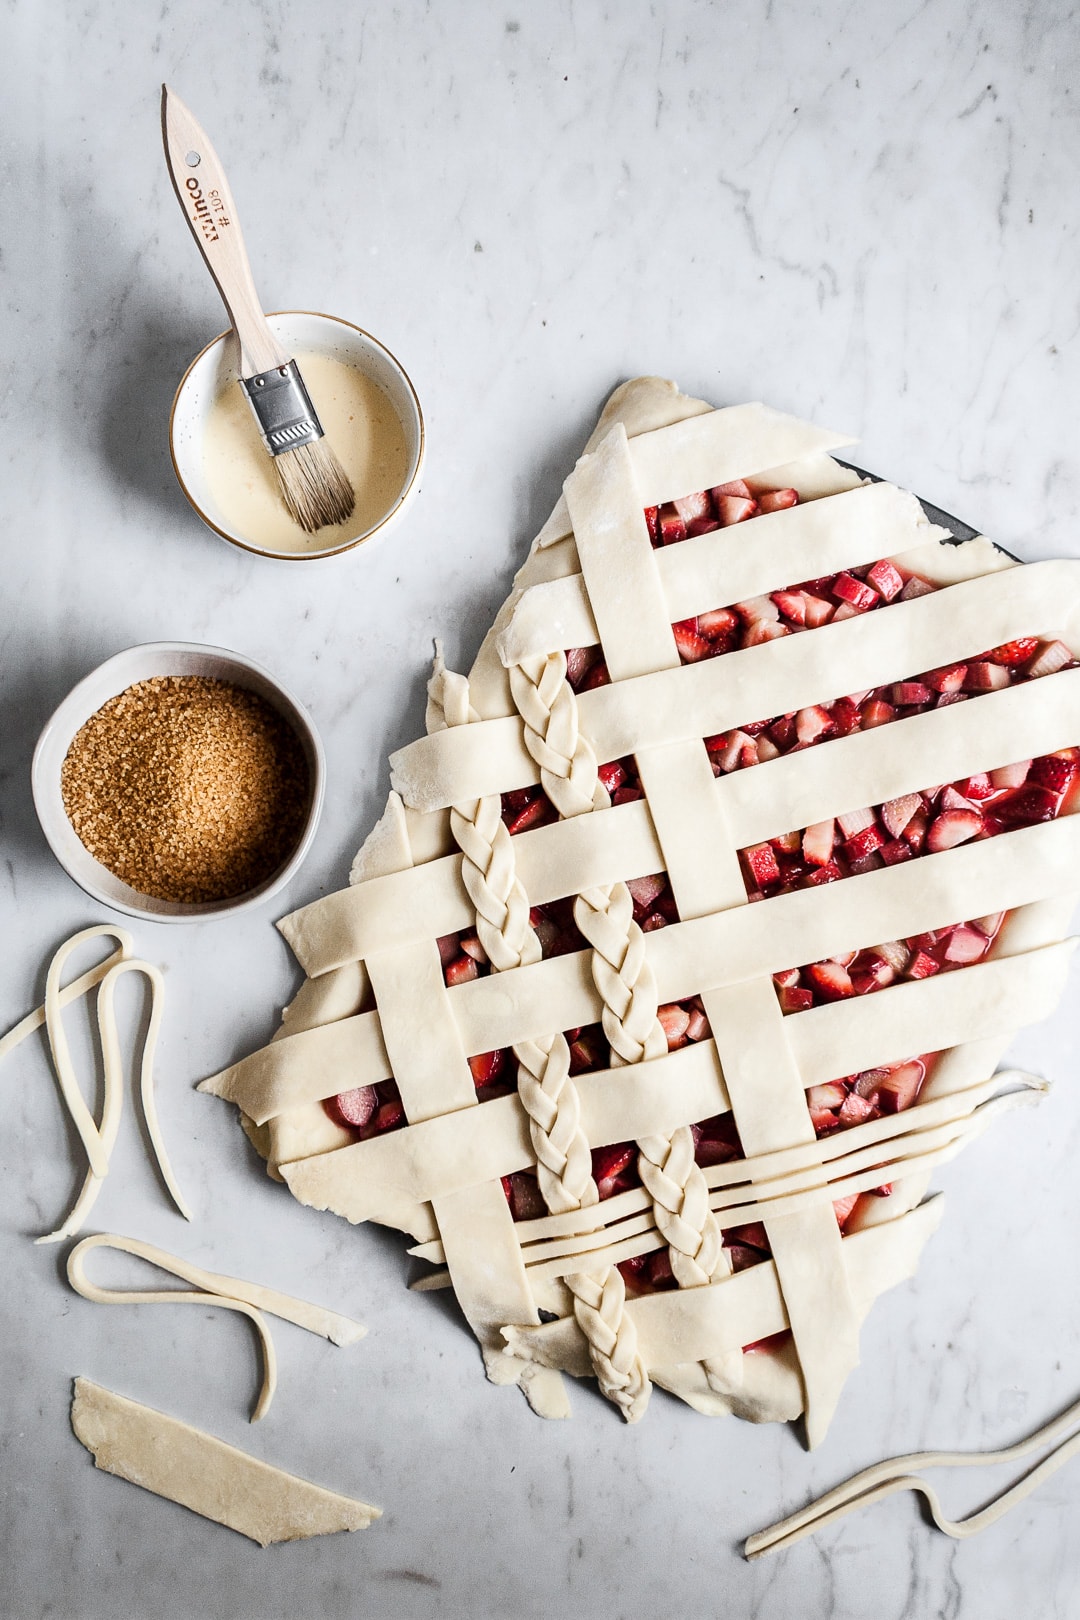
695,928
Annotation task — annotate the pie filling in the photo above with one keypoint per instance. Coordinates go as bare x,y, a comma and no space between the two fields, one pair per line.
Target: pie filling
916,824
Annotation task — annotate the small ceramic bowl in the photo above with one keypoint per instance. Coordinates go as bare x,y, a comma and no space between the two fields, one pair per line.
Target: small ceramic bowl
158,658
300,332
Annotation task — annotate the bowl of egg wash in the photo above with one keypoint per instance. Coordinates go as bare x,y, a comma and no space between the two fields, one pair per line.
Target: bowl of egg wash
369,412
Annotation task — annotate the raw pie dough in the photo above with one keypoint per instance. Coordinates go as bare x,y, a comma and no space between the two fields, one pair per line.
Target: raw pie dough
204,1474
375,1005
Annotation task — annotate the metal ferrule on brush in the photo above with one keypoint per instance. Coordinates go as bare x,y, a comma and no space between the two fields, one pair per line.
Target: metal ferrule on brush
282,408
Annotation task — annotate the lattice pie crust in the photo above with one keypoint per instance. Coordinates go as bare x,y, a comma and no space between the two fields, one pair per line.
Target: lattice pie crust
545,1296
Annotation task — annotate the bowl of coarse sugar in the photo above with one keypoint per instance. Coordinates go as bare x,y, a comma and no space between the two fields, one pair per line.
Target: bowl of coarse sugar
179,782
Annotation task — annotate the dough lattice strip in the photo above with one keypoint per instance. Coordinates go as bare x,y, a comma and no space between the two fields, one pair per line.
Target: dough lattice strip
564,1163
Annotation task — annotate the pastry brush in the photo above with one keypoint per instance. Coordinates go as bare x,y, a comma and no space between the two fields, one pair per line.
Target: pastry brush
314,485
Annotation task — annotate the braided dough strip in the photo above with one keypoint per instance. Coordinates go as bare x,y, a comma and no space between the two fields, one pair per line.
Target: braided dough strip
717,694
231,1293
839,1039
793,791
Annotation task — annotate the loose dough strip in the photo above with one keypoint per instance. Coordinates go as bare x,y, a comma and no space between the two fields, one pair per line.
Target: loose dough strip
886,1478
232,1293
99,1140
200,1472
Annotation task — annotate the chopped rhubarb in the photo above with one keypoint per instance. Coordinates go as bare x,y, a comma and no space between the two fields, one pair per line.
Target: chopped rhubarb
353,1108
485,1067
896,813
902,1087
1051,656
762,863
885,579
860,596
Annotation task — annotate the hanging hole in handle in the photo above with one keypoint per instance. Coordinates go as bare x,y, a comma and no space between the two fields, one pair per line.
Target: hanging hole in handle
193,160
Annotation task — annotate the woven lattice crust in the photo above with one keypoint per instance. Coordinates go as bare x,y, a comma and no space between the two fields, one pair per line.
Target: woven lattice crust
376,1007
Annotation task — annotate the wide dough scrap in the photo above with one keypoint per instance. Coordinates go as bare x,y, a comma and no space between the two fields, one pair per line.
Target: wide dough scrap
200,1472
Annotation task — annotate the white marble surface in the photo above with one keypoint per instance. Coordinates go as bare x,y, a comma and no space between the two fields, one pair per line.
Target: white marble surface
862,214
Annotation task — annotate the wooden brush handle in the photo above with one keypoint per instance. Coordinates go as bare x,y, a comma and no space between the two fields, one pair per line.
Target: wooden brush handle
204,195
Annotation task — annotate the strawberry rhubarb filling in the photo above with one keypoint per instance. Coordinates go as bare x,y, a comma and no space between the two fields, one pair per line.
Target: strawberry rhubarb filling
916,824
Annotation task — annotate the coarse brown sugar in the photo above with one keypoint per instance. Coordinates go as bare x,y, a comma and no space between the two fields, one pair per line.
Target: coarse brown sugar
187,788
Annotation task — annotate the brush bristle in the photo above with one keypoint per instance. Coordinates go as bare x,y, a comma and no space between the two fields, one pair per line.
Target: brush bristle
315,486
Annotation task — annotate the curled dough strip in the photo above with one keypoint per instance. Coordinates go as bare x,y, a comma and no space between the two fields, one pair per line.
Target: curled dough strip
886,1478
100,1141
233,1294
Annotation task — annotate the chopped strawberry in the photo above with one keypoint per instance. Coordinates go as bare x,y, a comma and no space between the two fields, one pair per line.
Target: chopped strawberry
777,500
692,647
790,842
952,827
448,948
534,812
652,922
1013,652
485,1067
763,630
652,523
844,1207
905,694
855,1109
693,508
786,979
672,527
877,968
674,1021
989,924
915,831
916,587
864,843
793,999
1054,772
816,611
757,609
829,873
461,970
597,676
812,723
1051,656
976,787
877,713
830,1095
644,890
792,605
953,800
923,966
895,851
736,487
612,775
389,1116
697,1025
609,1162
896,813
734,509
353,1108
762,863
750,1236
1027,806
950,678
885,579
721,624
817,843
829,980
852,590
846,716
